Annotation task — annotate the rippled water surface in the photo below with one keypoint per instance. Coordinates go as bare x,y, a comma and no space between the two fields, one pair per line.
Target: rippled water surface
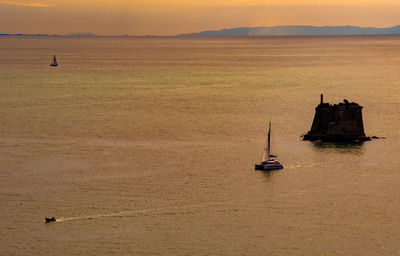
147,146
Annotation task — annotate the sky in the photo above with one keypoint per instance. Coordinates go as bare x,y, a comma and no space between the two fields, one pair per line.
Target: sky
171,17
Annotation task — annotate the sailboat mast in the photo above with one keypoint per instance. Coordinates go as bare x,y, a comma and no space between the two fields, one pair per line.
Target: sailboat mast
269,141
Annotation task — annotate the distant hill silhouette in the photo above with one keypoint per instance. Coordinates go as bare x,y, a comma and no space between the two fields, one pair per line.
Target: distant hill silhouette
299,31
87,34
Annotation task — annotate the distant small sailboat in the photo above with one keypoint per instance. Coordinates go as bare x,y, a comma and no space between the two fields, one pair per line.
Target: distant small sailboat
268,161
54,62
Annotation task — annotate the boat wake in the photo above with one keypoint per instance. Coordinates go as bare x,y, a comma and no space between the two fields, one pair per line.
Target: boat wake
118,214
175,209
297,166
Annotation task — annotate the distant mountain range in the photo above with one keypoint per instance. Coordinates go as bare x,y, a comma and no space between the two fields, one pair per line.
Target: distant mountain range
299,31
266,31
70,35
24,35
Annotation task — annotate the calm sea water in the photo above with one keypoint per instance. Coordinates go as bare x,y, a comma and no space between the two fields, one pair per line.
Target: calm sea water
147,146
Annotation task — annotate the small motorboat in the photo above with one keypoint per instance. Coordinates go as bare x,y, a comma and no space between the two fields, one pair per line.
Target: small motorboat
52,219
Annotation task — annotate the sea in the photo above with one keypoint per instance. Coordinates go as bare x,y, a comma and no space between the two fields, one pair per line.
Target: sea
147,146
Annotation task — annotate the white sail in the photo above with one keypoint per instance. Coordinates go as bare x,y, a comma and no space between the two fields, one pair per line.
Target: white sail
264,157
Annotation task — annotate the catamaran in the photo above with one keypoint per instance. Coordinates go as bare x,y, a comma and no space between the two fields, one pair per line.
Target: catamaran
268,161
54,62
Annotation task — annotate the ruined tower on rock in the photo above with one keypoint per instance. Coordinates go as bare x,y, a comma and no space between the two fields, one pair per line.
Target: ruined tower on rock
337,123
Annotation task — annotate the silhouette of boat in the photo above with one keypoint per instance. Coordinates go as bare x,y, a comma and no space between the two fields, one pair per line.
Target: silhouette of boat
54,62
52,219
268,161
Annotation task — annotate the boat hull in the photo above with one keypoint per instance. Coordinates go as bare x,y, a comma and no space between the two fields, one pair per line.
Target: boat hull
259,167
268,167
273,167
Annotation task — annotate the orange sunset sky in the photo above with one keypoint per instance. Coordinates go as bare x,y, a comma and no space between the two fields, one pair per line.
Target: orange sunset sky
170,17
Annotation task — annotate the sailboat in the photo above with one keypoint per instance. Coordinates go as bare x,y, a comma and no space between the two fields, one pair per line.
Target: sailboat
268,161
54,62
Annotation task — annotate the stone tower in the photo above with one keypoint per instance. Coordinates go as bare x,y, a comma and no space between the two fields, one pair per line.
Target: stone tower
338,122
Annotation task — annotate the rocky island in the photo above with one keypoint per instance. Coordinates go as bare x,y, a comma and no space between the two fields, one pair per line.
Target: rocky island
337,123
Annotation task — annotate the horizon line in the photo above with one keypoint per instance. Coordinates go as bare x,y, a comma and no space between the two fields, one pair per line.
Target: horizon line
89,34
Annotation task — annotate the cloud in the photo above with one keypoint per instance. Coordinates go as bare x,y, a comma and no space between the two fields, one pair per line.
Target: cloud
25,3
